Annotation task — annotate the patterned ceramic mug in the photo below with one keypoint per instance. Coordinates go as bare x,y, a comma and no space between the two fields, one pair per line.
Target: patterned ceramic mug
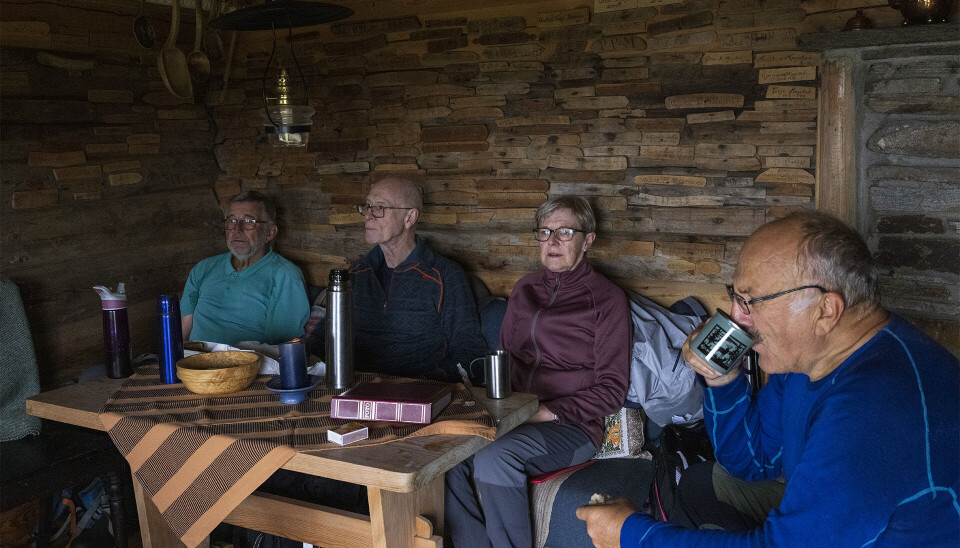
721,343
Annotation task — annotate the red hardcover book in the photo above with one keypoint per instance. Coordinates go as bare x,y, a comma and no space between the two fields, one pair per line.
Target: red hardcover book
415,402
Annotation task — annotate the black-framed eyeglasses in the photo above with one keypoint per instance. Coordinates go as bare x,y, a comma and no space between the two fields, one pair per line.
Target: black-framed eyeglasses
377,210
744,304
242,224
563,234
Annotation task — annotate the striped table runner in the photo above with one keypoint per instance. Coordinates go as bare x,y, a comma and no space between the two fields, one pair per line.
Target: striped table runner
199,457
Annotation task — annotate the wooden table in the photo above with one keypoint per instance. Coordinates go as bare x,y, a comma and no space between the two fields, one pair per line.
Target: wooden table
404,479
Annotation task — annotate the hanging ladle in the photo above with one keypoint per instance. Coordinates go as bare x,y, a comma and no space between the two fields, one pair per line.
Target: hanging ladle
172,62
143,29
211,36
197,61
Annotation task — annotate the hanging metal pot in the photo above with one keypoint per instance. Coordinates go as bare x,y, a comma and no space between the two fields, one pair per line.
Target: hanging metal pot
919,12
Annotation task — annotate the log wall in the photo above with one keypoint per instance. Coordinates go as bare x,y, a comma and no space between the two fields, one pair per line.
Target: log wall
687,125
105,177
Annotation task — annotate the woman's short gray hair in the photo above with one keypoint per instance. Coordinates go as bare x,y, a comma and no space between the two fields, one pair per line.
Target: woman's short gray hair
837,257
577,204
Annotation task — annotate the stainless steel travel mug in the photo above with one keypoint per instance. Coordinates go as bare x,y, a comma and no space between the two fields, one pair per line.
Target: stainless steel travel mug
496,368
339,330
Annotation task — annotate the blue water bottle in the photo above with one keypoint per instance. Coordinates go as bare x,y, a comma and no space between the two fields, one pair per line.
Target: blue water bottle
169,337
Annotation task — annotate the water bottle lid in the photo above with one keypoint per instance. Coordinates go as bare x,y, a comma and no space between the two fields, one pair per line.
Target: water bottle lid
168,304
111,300
339,275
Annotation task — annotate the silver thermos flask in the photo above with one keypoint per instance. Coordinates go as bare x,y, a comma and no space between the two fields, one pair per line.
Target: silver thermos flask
339,330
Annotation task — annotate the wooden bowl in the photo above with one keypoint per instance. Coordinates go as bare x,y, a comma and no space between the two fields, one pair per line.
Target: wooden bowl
218,372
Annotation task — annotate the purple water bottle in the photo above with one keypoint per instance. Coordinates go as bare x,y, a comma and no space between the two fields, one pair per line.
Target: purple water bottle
169,337
116,331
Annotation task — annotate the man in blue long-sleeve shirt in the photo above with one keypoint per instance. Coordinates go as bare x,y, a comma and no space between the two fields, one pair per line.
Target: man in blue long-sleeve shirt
860,415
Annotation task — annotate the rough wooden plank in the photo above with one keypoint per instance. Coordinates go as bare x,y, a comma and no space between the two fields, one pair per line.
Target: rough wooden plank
606,102
763,40
538,120
786,175
94,149
122,165
786,104
566,18
684,155
345,167
620,43
513,185
611,138
788,127
705,100
374,26
56,159
710,117
455,146
509,53
727,57
786,59
791,92
729,164
624,74
777,115
789,74
84,172
31,199
597,163
125,179
638,248
680,180
725,150
612,150
691,251
680,41
510,199
660,138
642,199
801,162
712,221
454,133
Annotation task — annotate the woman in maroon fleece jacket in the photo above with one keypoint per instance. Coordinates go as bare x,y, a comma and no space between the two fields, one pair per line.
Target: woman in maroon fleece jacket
567,329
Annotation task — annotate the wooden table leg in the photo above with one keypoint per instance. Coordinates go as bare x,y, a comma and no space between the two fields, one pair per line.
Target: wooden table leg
154,531
393,516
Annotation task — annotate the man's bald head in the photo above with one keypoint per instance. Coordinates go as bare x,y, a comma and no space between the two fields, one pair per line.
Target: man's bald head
830,253
403,191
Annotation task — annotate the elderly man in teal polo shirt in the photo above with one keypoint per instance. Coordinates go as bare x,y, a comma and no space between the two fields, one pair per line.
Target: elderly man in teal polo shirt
250,293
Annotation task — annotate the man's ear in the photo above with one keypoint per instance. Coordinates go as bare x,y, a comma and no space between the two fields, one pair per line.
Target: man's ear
411,218
272,232
829,310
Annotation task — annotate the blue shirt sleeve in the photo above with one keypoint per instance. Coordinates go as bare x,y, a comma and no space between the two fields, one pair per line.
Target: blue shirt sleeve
746,432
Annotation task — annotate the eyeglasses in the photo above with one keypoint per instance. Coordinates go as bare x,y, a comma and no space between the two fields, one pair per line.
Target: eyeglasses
744,304
243,224
376,210
563,234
